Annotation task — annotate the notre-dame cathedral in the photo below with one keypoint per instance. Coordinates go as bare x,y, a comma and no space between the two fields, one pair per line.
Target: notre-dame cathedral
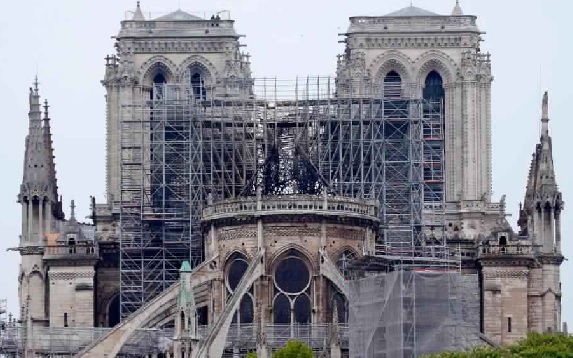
268,199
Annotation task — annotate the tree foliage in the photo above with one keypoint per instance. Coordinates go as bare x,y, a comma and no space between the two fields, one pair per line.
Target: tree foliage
536,345
294,349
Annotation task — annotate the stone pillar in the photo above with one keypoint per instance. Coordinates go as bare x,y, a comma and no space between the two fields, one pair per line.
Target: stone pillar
30,219
552,230
48,215
558,232
25,236
542,228
41,220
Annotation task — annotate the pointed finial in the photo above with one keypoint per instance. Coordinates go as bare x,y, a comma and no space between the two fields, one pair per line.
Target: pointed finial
457,9
545,114
73,210
46,115
36,84
138,14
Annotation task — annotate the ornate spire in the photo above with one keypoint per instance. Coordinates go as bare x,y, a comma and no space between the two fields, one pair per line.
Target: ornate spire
39,175
36,166
138,14
545,115
457,11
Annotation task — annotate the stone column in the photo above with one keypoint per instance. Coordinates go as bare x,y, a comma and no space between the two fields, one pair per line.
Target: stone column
30,219
25,236
41,220
552,230
558,232
48,216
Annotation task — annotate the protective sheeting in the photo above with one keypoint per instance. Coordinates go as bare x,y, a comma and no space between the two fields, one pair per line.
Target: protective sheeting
408,313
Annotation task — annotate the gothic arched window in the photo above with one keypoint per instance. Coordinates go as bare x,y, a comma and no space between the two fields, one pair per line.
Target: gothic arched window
236,268
198,85
341,304
434,87
158,82
292,278
344,261
392,85
433,132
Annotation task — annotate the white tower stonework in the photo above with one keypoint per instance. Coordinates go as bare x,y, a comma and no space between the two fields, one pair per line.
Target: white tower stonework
414,42
174,48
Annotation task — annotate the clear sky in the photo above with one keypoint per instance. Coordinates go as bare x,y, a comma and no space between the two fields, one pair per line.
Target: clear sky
65,42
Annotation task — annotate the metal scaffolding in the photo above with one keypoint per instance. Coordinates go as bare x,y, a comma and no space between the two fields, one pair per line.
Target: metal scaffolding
182,145
412,313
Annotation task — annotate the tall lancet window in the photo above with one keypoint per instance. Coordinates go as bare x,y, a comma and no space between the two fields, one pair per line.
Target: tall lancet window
158,82
434,87
434,137
392,86
198,85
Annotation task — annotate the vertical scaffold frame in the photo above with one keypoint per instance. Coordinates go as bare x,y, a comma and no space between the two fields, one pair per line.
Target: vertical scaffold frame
179,150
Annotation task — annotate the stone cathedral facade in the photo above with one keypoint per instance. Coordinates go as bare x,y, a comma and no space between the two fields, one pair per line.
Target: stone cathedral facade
70,272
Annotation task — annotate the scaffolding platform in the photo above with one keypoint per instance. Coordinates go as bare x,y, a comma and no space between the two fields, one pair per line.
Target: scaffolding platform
179,150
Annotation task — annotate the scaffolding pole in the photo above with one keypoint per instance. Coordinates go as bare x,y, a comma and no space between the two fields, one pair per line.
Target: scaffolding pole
182,146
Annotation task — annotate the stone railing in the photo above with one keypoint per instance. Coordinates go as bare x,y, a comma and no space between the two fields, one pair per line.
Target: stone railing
77,250
504,250
292,204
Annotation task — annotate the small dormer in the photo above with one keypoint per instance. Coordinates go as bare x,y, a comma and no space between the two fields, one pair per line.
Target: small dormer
73,240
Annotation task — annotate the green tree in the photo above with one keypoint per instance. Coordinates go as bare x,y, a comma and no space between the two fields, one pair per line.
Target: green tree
294,349
536,345
252,355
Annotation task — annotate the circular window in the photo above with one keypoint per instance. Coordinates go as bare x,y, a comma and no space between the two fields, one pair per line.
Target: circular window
292,275
236,271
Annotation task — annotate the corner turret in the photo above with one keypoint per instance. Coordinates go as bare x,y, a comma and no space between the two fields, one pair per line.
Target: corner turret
39,189
540,217
457,11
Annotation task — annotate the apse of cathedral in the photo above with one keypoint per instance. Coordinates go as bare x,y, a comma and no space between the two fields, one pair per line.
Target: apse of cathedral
231,205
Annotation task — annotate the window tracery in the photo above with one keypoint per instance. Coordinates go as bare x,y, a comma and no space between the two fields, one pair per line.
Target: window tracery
292,279
237,267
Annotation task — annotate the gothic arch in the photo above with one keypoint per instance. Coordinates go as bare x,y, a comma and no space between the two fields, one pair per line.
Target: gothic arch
342,250
208,69
275,259
234,252
436,61
391,61
153,66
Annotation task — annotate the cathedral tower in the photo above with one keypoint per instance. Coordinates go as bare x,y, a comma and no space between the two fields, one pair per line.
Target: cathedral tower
167,69
521,278
174,48
41,210
434,57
